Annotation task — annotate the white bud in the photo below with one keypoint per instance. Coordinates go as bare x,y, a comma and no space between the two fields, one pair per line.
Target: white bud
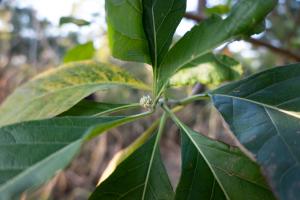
146,101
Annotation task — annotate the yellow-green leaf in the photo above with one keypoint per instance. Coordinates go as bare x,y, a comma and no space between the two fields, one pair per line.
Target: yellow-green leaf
80,52
55,91
210,69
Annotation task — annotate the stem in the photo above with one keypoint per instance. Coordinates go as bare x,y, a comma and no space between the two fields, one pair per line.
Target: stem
193,98
96,130
154,82
185,101
157,97
161,128
141,114
130,106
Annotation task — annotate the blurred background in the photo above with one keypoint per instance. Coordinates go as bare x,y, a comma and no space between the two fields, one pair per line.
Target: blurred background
36,35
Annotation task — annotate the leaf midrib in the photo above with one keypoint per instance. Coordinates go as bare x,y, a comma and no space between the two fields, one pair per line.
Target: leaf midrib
254,102
149,171
212,190
154,36
133,6
21,106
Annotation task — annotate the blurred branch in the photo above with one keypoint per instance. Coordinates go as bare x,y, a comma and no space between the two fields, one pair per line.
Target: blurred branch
192,16
284,52
201,6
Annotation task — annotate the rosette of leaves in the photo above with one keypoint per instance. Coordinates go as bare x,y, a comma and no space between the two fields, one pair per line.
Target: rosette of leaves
45,122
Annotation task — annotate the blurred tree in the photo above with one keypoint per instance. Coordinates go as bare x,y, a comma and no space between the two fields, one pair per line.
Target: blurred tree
27,45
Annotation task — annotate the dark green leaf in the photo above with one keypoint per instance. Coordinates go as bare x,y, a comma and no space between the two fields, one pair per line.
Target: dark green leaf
127,38
263,112
73,20
32,152
141,176
55,91
209,69
238,176
196,181
80,52
210,34
87,107
160,20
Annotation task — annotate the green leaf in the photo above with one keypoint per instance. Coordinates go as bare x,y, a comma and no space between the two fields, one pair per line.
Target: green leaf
160,20
237,176
80,52
210,34
141,176
73,20
218,9
32,152
127,39
209,69
196,181
55,91
88,107
263,112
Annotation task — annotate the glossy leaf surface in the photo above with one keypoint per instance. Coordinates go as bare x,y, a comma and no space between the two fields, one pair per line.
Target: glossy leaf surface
160,20
263,112
211,33
55,91
127,38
